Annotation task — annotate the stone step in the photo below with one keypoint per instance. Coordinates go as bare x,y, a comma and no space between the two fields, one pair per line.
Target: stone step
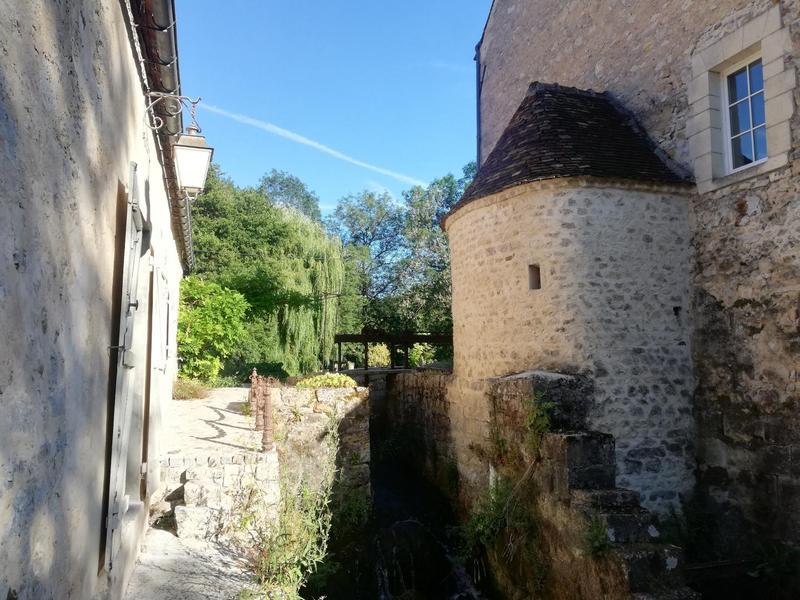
605,500
652,567
632,525
569,396
680,593
588,457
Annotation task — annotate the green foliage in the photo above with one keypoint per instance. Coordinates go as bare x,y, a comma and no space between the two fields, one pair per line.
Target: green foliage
210,320
379,355
188,389
327,380
421,354
284,189
290,271
487,519
288,554
537,420
425,286
596,538
505,521
370,226
350,515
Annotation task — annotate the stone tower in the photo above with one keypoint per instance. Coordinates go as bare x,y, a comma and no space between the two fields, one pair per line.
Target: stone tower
571,253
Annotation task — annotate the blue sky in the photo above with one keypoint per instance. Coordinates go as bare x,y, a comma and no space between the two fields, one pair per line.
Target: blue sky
388,84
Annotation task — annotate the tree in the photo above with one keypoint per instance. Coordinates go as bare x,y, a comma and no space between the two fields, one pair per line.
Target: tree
426,268
370,226
286,266
287,190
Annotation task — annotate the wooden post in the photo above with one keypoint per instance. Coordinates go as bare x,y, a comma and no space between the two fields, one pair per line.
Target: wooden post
339,368
406,357
391,356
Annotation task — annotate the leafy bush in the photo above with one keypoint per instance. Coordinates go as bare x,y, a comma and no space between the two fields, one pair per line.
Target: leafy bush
327,380
379,355
421,354
488,518
210,321
188,389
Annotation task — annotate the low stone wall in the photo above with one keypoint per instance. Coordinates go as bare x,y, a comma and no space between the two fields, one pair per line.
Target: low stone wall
304,422
207,493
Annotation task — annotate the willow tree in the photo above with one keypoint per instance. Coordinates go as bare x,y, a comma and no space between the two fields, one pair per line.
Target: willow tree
286,266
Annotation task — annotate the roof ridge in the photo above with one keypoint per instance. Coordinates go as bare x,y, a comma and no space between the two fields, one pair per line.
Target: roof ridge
541,86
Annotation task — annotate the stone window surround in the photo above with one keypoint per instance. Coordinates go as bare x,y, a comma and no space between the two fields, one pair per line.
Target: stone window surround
762,37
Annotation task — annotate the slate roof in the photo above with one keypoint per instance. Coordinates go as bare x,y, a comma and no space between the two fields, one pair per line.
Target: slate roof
565,132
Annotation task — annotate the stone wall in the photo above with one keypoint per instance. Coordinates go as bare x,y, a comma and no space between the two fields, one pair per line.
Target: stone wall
304,421
638,51
71,122
613,302
744,235
553,486
418,414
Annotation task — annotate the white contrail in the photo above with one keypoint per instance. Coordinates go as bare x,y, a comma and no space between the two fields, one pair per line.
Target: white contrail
296,137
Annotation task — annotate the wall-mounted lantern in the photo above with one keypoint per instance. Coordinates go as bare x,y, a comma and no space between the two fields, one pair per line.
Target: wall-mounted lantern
192,159
192,153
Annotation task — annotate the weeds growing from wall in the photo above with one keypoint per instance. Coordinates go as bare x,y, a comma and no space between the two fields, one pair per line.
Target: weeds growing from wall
596,538
536,421
284,555
506,523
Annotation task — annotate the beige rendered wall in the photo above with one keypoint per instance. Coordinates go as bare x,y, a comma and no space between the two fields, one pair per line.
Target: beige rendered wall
746,333
71,121
614,264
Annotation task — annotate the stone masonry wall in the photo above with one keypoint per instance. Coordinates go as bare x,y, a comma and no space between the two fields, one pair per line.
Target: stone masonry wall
71,121
418,411
746,300
304,419
613,302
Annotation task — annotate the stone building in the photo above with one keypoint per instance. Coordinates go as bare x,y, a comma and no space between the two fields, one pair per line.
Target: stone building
646,234
95,240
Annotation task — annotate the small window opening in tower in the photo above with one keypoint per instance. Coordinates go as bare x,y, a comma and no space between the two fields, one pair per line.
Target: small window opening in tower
534,277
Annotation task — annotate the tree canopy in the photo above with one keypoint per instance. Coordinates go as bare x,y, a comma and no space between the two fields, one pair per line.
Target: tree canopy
377,263
286,266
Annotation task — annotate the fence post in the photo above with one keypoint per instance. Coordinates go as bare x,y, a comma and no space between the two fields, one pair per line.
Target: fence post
261,390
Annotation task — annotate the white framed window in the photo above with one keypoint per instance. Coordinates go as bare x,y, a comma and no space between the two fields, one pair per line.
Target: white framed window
741,102
744,115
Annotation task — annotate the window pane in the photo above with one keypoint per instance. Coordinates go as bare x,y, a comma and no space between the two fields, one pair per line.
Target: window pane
760,137
756,76
737,85
742,150
758,109
740,117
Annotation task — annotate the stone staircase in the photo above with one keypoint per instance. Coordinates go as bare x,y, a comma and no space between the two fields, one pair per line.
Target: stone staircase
209,495
577,473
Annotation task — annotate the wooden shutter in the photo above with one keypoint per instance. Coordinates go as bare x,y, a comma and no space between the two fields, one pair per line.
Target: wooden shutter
119,501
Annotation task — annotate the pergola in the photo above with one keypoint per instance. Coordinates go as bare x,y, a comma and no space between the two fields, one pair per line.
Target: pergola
393,341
